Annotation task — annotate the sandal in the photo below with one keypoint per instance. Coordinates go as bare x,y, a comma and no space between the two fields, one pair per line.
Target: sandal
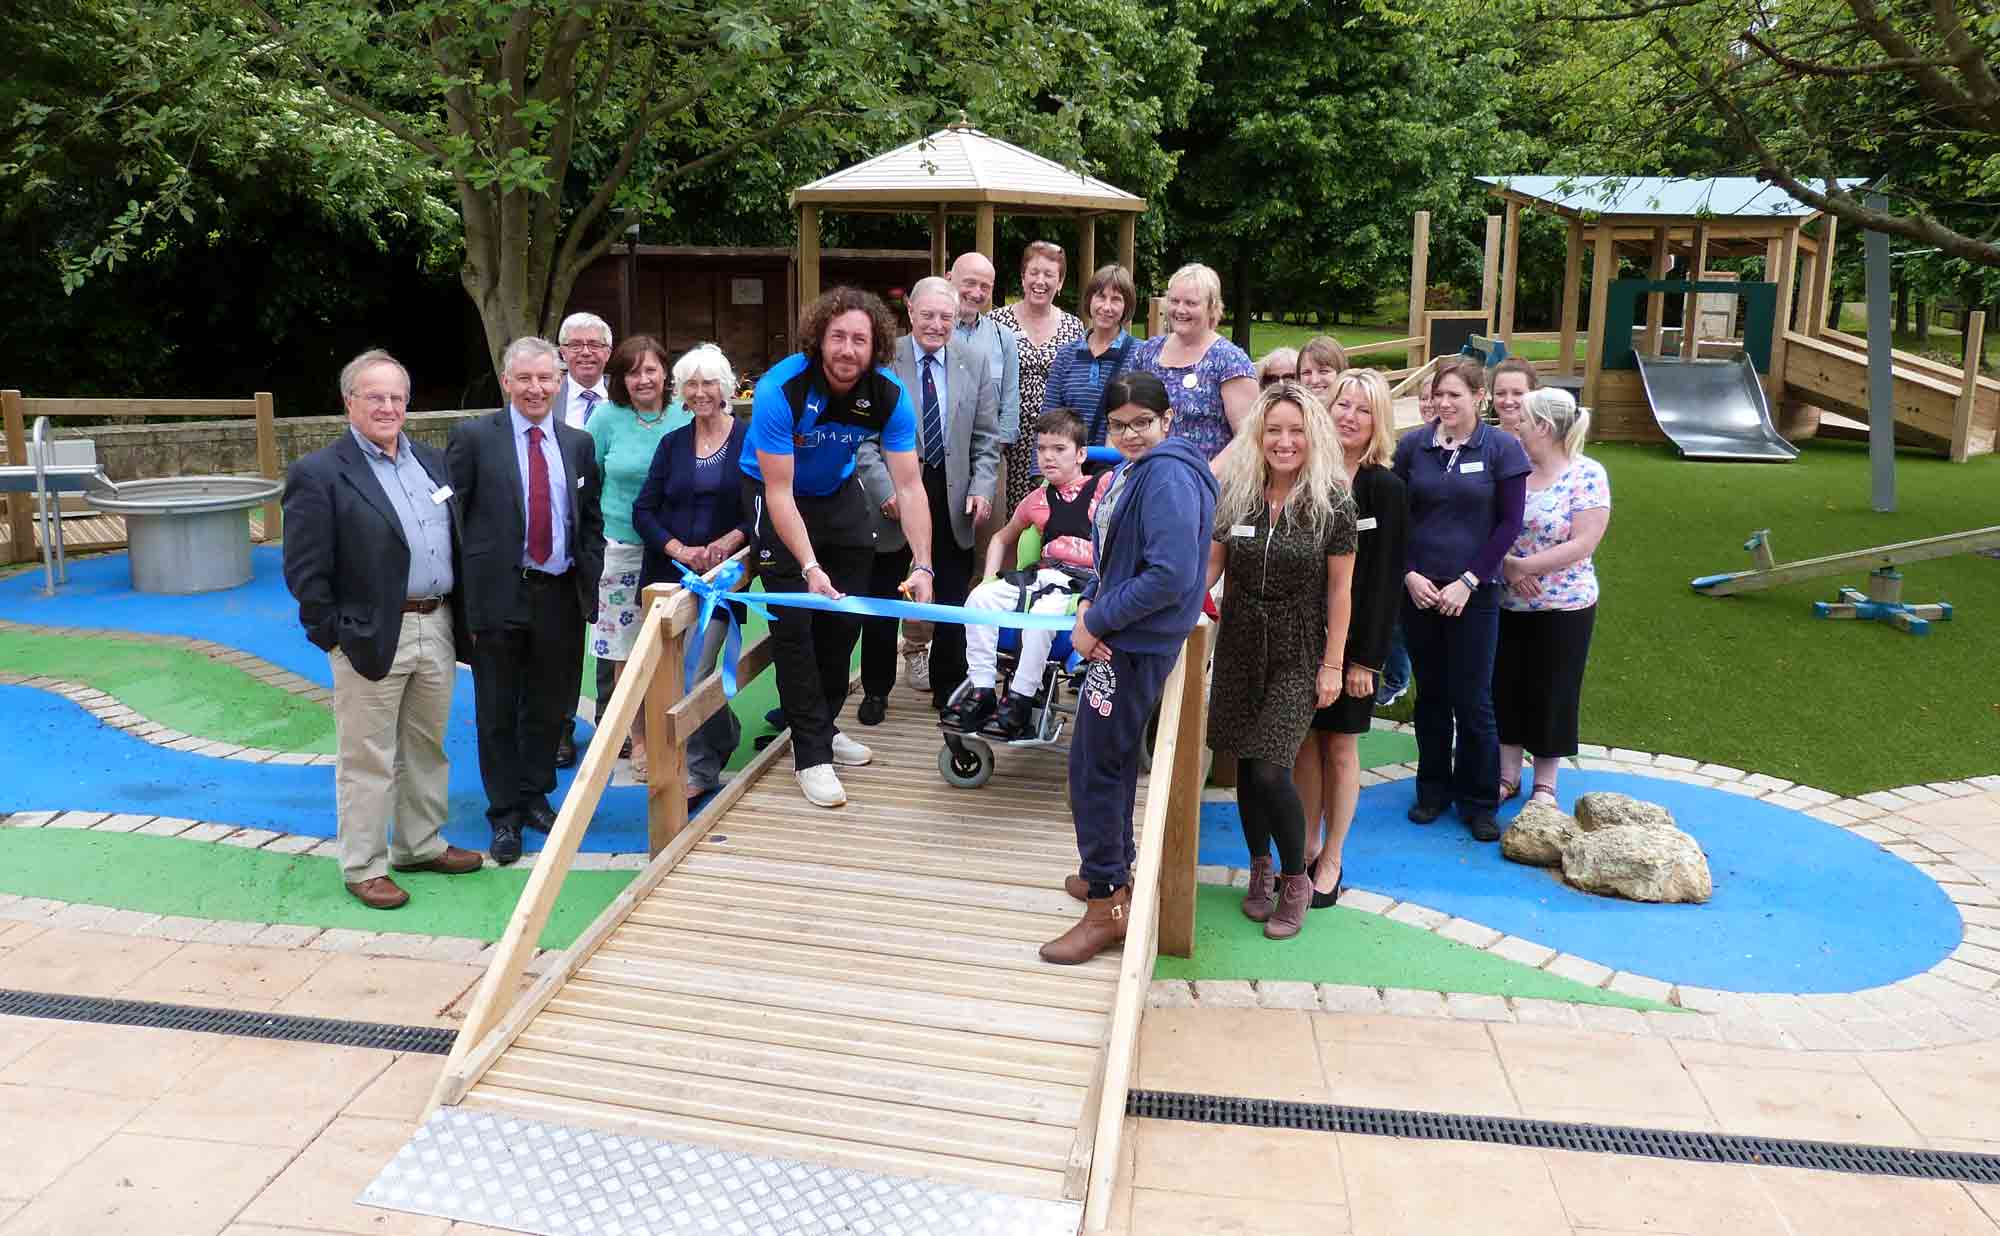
1544,790
1509,788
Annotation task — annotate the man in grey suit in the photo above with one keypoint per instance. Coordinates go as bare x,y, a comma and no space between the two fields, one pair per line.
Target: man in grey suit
584,340
957,393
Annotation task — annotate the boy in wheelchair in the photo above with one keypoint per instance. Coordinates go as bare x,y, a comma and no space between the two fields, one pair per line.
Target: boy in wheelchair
1059,513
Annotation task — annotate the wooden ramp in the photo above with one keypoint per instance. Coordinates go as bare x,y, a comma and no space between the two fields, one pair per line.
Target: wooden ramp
857,988
1936,409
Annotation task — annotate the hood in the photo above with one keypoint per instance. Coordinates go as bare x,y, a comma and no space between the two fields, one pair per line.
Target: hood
1179,452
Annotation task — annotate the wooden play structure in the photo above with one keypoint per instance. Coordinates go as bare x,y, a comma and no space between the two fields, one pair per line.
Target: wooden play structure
1814,376
855,988
1883,602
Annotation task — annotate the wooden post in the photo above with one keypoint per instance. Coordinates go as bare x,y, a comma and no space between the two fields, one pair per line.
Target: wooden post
1691,310
1603,269
1489,277
808,256
267,463
666,754
1807,298
1177,864
1656,302
940,247
982,216
1128,243
1829,233
1968,391
1086,259
1572,293
1156,317
1510,272
1420,281
23,527
1787,247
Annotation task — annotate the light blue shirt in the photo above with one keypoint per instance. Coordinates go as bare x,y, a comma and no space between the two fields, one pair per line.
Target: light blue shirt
938,372
559,499
426,524
1006,363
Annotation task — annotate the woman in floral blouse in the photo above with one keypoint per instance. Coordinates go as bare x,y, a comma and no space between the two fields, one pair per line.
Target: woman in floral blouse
1211,381
1042,332
1551,599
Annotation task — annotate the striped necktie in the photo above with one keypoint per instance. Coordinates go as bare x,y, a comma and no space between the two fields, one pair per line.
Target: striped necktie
589,398
933,417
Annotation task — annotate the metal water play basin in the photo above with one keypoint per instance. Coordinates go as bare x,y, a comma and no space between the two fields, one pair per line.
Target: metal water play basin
188,533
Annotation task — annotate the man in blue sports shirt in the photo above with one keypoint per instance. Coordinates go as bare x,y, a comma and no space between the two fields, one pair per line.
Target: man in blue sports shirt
815,529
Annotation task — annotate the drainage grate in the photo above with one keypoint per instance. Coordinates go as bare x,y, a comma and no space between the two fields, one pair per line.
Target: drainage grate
435,1040
1560,1135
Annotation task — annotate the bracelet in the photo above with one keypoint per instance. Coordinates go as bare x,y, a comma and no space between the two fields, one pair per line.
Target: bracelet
809,568
1336,668
918,566
1469,580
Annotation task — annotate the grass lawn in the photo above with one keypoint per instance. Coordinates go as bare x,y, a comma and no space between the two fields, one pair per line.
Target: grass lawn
1757,682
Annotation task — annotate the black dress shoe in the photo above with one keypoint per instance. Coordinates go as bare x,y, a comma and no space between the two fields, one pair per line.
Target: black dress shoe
1422,812
566,751
539,816
506,849
1483,826
873,709
775,718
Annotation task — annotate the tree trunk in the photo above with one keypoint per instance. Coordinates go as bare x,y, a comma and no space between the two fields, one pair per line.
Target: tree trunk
1924,308
1833,311
1903,308
1239,296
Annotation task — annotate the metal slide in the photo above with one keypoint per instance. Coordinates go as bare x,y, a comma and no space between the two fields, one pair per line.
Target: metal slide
1713,409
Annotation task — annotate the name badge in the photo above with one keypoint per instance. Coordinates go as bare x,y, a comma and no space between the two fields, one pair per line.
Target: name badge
1190,381
1365,525
1470,466
441,495
1242,530
579,482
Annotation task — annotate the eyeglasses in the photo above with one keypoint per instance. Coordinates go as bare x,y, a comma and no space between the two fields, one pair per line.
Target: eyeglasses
588,345
1272,379
1138,425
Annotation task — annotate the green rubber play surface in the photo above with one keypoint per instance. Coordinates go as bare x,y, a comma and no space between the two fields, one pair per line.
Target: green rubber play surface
1346,946
181,690
202,879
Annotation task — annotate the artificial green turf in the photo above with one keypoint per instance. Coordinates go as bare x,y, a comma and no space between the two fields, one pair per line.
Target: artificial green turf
179,689
1346,946
200,879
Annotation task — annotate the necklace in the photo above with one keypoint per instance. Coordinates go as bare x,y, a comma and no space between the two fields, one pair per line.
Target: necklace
649,421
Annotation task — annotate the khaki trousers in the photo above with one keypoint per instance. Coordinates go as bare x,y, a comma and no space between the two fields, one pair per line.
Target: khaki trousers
389,776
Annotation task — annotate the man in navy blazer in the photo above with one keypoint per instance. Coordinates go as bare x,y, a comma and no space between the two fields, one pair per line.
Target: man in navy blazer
534,547
371,532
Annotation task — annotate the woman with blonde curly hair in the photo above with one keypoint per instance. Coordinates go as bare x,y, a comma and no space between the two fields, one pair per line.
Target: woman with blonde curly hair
1285,539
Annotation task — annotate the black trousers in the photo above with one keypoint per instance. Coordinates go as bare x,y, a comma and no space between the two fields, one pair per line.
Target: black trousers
812,651
607,682
949,586
1538,677
524,683
1116,702
1458,745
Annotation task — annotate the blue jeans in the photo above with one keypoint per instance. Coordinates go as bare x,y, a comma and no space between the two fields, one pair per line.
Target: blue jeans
1395,669
1454,663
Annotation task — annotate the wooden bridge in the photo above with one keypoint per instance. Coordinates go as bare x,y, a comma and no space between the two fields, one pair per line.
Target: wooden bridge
858,988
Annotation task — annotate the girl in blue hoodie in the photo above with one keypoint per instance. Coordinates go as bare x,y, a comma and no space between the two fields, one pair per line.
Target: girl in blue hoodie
1151,540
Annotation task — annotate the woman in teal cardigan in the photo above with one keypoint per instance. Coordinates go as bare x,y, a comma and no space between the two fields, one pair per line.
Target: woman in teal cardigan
627,432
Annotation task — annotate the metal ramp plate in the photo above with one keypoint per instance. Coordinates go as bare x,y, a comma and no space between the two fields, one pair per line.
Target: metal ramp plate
1713,409
528,1175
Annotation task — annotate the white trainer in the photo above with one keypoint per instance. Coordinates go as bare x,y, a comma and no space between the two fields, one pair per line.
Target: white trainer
821,786
917,668
848,753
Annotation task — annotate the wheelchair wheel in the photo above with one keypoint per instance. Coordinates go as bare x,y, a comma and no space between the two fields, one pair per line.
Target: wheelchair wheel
966,763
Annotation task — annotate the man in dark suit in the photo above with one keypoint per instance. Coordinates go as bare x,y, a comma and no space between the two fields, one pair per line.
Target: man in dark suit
370,533
957,393
534,547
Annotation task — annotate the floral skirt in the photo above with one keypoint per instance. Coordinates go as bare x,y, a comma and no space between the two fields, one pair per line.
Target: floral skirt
618,603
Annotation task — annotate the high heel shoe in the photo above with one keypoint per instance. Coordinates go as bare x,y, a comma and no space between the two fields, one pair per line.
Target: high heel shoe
1321,901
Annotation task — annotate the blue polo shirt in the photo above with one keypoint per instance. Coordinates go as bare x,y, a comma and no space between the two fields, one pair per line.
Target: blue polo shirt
793,413
1455,496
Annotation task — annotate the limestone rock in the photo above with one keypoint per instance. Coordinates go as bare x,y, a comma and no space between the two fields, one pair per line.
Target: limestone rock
1602,809
1537,835
1643,863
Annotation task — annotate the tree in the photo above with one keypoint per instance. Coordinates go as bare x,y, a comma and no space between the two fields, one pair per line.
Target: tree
551,125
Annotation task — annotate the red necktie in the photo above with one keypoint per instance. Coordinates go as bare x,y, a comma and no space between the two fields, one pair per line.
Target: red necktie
540,541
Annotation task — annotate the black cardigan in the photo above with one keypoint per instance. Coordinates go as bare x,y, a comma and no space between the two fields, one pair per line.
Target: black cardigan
665,506
1377,595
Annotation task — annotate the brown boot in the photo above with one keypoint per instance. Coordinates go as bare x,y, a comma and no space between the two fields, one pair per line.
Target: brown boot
1294,898
1077,887
1262,896
1101,927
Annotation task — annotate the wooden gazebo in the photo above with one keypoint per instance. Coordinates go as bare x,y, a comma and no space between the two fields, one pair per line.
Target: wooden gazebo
961,171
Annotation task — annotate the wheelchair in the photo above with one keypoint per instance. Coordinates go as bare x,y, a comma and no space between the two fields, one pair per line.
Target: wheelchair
966,760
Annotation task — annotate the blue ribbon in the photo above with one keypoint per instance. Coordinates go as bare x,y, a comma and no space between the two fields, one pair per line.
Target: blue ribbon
716,593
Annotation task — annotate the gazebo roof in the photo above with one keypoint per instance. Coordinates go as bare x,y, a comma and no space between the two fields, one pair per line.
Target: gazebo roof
961,165
1656,199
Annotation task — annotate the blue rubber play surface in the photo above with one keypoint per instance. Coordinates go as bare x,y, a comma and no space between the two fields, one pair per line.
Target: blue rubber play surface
65,758
1799,905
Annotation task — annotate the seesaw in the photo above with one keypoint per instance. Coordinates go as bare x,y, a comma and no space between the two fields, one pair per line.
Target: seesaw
1883,602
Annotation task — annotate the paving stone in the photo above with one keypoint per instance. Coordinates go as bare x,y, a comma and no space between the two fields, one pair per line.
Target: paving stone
1951,873
1934,1028
590,862
291,757
251,838
1626,755
176,927
1678,763
1527,952
1225,994
1881,1035
1608,1017
1884,800
630,862
291,843
1591,749
1740,788
1349,998
149,731
1919,793
78,819
1706,999
31,819
1592,763
1211,873
1990,785
1932,989
1955,789
287,935
1239,877
1361,899
1641,986
453,948
1787,800
1465,931
1576,969
1721,772
80,915
1466,1006
1876,833
1971,894
122,823
322,761
1275,994
1966,976
166,826
128,922
1813,797
1407,1002
399,944
183,743
250,755
1823,1035
1765,781
229,931
1169,994
1839,819
1985,915
342,940
1531,1012
1680,1025
1418,916
1980,933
